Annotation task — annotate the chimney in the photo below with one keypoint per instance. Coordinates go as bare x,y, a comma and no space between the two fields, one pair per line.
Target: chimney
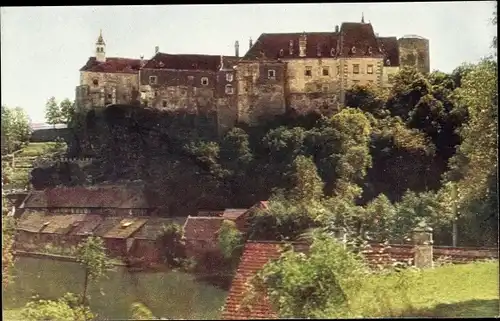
302,45
237,48
157,49
290,47
250,43
337,28
142,61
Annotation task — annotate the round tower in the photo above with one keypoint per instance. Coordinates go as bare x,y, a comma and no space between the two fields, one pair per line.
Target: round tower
414,51
100,49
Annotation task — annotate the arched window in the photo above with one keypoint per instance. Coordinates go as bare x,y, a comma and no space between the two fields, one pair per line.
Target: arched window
229,89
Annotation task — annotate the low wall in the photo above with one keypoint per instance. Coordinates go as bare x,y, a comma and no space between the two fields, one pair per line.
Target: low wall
464,254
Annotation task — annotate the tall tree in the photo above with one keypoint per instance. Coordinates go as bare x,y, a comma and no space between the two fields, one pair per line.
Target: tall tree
53,113
15,128
67,109
91,254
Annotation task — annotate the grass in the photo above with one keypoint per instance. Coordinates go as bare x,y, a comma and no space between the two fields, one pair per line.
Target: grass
12,315
467,290
37,149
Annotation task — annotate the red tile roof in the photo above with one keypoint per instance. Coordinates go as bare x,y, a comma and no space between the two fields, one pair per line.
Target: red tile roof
189,62
233,213
113,65
255,256
351,34
202,228
88,197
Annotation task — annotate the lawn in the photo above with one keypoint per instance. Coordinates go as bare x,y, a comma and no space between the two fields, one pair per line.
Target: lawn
37,149
467,290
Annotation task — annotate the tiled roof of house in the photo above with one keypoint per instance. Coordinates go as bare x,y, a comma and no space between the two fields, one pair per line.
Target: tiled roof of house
31,222
202,228
154,227
125,228
113,65
255,256
87,226
234,213
351,34
61,224
130,196
106,225
189,62
390,48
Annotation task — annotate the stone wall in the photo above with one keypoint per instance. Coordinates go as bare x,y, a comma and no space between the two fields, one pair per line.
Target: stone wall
414,51
261,90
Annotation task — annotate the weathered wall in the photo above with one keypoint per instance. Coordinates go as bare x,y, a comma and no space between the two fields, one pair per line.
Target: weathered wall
260,96
111,88
363,77
227,100
414,52
179,90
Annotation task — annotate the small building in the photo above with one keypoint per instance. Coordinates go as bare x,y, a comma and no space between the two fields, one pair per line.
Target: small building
148,243
201,237
107,200
118,240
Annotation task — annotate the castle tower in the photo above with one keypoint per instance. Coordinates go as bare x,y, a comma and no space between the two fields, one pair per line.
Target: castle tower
100,49
414,52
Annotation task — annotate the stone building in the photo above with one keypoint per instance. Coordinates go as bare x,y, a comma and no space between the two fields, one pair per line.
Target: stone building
281,72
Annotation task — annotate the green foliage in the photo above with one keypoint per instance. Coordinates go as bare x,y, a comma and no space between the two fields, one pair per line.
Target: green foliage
15,129
53,114
141,312
67,110
308,186
66,308
230,239
172,240
304,285
8,225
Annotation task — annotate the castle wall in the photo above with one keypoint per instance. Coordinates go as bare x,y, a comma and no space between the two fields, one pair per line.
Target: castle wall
111,88
414,52
179,90
227,100
260,95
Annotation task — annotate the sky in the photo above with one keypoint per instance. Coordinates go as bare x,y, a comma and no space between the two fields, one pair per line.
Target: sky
43,48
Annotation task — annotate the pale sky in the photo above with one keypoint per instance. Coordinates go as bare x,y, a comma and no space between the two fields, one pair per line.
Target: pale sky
44,47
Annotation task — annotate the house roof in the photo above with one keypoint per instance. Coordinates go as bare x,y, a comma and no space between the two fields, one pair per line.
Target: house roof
61,224
31,222
127,196
113,65
154,227
106,225
234,213
125,228
87,226
202,228
255,256
351,34
189,62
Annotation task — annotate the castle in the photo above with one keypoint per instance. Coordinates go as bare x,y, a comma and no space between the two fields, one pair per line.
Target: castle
303,72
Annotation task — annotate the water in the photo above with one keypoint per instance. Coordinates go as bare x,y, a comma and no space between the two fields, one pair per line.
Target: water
166,294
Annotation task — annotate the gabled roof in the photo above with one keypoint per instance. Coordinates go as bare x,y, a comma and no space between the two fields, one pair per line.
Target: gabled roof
31,222
255,256
125,228
113,65
202,228
87,226
126,196
189,62
390,48
234,213
361,36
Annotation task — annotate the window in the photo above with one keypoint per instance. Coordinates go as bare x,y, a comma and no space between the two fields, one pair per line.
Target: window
355,68
326,71
95,82
369,69
282,53
229,77
164,103
109,96
204,81
338,70
229,89
353,49
153,80
271,74
308,72
325,88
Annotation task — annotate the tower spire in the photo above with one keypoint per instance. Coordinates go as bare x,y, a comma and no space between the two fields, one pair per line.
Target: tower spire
100,40
100,48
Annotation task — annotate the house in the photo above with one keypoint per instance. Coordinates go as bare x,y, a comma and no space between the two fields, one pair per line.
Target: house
201,236
148,246
107,200
118,240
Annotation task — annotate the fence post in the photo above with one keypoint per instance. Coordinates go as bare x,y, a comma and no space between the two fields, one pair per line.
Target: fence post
422,246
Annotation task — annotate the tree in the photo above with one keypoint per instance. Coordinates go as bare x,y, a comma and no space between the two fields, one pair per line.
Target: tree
53,113
15,128
67,110
230,239
92,256
7,244
308,186
66,308
307,285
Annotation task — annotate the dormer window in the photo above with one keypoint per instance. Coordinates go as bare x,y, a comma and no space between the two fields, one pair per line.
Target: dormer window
229,77
332,52
153,80
353,49
204,81
370,51
161,64
271,74
282,53
229,89
388,62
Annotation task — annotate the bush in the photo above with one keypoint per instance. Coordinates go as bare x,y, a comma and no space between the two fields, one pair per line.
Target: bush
230,239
